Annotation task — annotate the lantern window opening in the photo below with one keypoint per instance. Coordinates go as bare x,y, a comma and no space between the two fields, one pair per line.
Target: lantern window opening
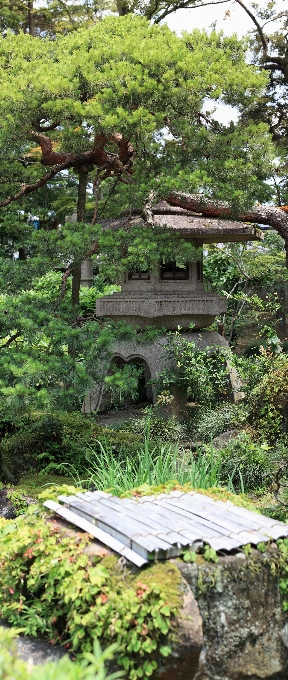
139,275
171,272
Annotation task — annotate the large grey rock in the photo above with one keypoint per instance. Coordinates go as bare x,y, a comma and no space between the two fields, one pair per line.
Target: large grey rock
34,650
244,626
6,507
223,439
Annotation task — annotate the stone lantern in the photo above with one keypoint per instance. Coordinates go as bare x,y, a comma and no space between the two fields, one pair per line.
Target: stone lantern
172,297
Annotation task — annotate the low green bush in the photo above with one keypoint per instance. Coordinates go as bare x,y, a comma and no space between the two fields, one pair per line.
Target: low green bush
18,501
278,512
55,442
92,667
51,587
268,401
213,422
17,456
246,465
270,345
204,373
166,429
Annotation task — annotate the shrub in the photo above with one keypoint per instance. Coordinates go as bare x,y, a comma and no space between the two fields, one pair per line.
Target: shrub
18,455
272,345
50,587
213,422
49,442
166,429
268,401
92,668
204,373
245,465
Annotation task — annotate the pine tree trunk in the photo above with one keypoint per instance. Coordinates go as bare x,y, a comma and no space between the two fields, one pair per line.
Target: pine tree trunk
76,283
122,8
81,199
31,18
81,205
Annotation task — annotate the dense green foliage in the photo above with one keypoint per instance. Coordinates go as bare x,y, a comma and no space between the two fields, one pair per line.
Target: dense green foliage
204,373
53,589
61,442
73,83
68,90
246,465
253,278
76,95
150,90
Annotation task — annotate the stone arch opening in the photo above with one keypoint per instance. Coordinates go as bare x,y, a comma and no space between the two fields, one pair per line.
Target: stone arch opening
145,391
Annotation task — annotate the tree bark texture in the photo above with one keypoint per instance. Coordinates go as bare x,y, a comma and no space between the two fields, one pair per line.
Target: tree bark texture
119,165
261,214
81,198
110,163
81,205
31,18
122,8
76,278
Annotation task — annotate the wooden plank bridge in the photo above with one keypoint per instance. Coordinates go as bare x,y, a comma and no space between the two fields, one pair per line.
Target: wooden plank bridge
162,526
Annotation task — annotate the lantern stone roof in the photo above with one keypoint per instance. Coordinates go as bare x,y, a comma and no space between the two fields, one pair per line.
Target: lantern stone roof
190,225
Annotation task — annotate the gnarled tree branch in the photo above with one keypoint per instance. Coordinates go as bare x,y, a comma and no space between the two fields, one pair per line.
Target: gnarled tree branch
110,164
147,210
63,289
256,23
185,4
261,214
11,339
28,188
46,128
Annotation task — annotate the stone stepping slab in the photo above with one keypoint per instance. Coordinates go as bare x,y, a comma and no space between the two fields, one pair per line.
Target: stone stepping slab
161,526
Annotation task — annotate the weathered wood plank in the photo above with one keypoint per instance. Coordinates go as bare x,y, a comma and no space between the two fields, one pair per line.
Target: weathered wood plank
160,526
198,523
100,535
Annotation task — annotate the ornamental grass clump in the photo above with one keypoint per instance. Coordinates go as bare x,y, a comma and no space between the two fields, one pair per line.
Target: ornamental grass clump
152,466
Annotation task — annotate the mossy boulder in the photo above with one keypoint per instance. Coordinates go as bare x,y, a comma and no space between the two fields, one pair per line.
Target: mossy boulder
244,625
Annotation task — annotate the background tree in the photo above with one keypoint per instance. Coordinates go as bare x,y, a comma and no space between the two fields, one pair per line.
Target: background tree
49,18
253,277
117,107
269,50
68,107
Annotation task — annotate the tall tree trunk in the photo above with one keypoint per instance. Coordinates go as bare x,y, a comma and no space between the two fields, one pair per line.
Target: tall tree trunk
31,18
122,8
277,218
81,205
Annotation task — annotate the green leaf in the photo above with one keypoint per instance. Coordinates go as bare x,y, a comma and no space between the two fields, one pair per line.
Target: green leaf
165,650
189,556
